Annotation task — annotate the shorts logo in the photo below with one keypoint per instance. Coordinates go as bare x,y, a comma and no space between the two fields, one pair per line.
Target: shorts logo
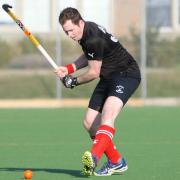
119,89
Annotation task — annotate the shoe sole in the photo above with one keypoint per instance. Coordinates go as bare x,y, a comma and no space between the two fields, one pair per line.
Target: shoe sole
96,174
88,164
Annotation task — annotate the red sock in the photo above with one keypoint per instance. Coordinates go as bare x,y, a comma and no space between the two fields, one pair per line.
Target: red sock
102,139
112,153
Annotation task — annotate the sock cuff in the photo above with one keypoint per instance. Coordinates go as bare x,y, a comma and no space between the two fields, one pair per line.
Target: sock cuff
105,129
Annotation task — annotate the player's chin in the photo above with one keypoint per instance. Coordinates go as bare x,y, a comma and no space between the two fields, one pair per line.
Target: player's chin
75,39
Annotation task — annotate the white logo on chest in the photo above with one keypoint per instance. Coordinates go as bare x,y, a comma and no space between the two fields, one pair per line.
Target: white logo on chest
91,54
114,39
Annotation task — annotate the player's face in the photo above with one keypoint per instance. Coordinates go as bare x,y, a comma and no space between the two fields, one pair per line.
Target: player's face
74,31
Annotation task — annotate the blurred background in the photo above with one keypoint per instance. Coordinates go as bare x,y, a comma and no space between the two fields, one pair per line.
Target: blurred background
149,29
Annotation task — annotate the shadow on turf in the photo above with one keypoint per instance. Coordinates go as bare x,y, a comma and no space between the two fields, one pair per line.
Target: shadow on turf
74,173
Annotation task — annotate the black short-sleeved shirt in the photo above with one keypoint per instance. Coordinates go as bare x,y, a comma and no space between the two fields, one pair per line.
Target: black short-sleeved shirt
98,44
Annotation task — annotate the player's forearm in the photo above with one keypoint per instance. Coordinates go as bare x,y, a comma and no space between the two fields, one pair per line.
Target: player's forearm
81,62
87,77
93,72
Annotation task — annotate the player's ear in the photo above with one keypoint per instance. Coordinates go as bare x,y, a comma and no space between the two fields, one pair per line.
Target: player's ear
81,23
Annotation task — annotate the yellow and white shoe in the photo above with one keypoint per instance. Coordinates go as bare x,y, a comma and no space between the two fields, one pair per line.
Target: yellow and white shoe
89,164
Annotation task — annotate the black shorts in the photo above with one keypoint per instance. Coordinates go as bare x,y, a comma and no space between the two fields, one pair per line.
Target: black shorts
119,86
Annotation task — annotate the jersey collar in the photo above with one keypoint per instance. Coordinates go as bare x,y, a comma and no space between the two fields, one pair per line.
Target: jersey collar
84,36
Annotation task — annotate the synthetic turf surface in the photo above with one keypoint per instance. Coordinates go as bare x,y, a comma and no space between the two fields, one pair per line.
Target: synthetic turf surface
50,142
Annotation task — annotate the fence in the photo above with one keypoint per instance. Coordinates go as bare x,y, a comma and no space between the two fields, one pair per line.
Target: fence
148,29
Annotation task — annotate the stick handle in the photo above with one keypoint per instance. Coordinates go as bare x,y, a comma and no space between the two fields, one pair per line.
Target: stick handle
30,36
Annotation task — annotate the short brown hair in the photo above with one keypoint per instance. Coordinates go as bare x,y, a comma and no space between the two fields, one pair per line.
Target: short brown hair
70,14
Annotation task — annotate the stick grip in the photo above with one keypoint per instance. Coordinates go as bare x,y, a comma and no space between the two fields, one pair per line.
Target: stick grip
6,7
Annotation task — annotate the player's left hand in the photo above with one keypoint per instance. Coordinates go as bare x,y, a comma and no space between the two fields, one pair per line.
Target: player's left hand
61,71
69,81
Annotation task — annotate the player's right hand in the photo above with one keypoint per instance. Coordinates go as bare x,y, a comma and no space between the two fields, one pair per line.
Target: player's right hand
61,71
69,81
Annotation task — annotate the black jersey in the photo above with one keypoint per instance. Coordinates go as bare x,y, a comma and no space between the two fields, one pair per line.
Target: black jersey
98,44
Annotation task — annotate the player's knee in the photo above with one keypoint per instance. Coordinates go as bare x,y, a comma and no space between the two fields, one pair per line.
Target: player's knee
86,124
108,114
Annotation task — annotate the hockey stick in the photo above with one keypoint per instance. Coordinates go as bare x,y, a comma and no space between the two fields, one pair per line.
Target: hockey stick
29,35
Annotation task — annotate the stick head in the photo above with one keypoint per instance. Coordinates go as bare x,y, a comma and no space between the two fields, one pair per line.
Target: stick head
6,7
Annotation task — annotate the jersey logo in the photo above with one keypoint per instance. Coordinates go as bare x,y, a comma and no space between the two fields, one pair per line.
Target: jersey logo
102,29
114,39
119,89
91,54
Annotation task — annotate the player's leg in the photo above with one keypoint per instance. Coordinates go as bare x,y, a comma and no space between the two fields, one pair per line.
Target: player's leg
104,134
106,131
92,118
91,123
121,88
116,163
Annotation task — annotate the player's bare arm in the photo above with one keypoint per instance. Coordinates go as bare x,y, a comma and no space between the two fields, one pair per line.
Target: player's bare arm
92,72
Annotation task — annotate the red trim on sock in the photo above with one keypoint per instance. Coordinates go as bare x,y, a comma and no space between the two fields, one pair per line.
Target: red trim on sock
111,152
